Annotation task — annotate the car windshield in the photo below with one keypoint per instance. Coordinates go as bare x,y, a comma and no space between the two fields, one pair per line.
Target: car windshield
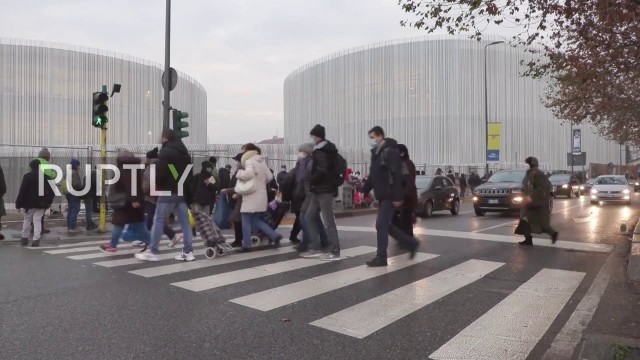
507,176
559,178
611,180
422,182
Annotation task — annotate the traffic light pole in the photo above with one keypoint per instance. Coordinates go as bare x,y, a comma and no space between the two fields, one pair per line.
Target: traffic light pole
167,67
102,225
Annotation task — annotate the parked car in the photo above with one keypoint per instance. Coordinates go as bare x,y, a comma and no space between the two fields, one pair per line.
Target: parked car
565,185
502,193
436,193
611,188
585,189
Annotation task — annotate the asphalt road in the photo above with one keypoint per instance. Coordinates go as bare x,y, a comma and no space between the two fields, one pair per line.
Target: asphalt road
470,294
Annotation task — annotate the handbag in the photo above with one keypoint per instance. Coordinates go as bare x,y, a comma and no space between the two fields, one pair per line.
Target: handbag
116,199
523,228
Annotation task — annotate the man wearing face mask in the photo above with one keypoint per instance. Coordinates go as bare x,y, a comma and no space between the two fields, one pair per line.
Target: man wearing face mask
385,179
204,188
323,191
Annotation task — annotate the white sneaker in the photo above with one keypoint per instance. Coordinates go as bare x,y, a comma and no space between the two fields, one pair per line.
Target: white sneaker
185,257
147,256
177,239
310,254
137,243
331,257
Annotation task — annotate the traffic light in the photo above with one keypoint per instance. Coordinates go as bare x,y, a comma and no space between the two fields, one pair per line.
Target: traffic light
179,125
100,109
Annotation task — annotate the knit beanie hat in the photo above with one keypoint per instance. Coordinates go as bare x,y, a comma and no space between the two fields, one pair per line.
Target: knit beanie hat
306,148
75,163
318,131
44,153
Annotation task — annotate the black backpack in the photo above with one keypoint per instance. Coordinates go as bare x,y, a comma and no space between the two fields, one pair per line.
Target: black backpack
338,170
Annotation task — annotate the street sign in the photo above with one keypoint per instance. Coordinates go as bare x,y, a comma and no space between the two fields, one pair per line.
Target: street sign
576,141
579,159
174,79
493,142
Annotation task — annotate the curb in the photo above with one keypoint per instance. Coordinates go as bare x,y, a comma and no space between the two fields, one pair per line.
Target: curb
633,267
598,347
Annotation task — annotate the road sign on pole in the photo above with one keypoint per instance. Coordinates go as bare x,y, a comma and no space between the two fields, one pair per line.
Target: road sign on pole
174,79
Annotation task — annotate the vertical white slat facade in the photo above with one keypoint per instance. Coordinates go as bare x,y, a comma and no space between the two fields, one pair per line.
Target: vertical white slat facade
46,90
429,94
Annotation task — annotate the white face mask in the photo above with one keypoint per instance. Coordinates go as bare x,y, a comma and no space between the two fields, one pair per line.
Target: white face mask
373,143
300,155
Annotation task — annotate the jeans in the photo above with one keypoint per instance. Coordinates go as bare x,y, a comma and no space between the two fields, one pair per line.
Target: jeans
150,211
252,221
386,212
307,235
139,227
322,205
88,211
73,211
32,216
164,206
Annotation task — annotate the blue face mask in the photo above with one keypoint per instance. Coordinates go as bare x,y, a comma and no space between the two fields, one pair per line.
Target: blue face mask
373,143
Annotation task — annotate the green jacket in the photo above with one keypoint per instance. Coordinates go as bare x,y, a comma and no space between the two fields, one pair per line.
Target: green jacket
49,172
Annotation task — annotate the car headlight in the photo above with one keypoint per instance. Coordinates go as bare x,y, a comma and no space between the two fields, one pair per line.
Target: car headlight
517,199
475,199
594,191
565,186
637,183
625,191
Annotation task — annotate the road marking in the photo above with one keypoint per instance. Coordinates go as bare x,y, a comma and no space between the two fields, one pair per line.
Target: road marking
233,277
568,338
133,260
511,329
200,264
89,248
291,293
511,239
61,246
367,317
101,254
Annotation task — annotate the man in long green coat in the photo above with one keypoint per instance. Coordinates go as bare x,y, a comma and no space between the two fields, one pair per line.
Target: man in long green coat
536,211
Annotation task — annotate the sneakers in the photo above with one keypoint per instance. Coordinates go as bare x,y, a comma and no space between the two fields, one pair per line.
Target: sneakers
73,231
412,253
185,257
309,254
377,262
147,256
330,257
35,243
138,243
108,248
177,239
24,241
236,244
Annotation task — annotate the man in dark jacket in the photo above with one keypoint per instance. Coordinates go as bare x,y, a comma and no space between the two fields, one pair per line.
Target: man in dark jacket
33,203
225,177
281,175
173,178
323,191
204,187
385,179
451,176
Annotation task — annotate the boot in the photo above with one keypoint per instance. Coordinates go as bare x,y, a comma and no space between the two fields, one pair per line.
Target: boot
24,241
35,243
377,262
528,241
554,237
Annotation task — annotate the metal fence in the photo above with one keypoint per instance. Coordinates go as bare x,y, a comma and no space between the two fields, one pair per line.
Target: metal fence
14,160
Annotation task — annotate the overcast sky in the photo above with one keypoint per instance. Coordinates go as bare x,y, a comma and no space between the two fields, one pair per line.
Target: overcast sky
241,51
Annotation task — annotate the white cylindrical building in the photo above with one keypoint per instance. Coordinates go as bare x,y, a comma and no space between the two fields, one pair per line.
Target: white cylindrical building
46,96
429,93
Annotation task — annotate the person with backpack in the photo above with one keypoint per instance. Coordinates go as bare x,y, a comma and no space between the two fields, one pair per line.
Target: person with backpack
32,204
327,174
385,179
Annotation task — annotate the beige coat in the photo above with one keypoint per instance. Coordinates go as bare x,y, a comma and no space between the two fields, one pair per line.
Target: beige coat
254,167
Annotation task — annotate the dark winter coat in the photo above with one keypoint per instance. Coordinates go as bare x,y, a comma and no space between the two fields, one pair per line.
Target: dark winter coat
451,177
174,153
463,180
91,194
3,190
28,195
324,155
204,193
409,184
225,178
280,177
128,214
385,176
302,188
538,188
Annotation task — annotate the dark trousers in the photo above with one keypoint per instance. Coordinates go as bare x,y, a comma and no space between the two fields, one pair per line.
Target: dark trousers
403,219
297,227
384,226
237,231
150,211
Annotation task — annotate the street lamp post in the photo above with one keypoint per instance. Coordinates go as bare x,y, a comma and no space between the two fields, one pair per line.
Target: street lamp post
486,109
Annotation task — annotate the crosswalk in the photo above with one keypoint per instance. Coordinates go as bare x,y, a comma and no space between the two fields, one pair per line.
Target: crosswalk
508,330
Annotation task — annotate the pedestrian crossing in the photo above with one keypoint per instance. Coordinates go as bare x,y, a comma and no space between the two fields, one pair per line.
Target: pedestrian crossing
510,329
